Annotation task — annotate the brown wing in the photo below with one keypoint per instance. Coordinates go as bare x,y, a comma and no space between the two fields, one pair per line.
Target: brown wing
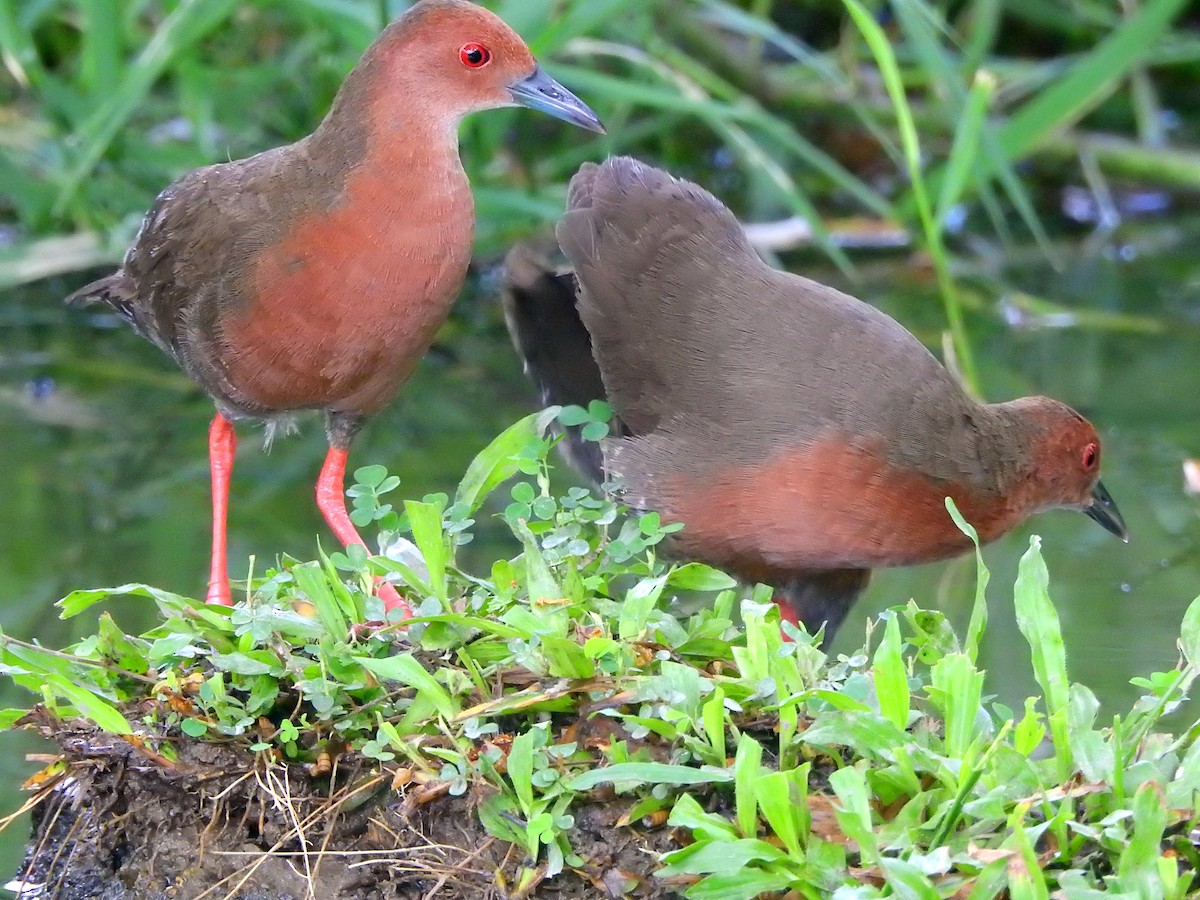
633,235
714,359
189,265
197,241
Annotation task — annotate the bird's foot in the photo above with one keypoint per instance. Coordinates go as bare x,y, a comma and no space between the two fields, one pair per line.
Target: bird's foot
219,594
391,598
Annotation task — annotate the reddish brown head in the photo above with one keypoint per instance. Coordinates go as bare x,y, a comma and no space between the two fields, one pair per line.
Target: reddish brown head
1059,460
459,58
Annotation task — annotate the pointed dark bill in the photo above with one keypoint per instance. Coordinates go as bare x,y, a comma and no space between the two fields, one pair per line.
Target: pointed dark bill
541,92
1104,511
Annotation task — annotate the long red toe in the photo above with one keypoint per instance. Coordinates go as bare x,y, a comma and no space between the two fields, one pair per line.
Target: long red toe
331,500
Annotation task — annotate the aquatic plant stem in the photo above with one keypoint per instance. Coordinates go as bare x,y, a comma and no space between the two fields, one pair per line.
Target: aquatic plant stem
910,143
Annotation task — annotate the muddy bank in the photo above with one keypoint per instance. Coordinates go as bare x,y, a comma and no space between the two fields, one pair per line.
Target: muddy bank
121,822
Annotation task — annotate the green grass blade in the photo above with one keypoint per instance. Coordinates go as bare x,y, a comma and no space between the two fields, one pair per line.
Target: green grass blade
188,23
520,769
762,29
102,44
927,33
746,884
312,580
1039,623
783,799
891,676
649,773
973,133
712,714
77,602
405,669
889,70
985,23
1184,790
169,605
563,23
747,771
733,124
906,880
426,522
687,813
539,580
497,462
961,166
639,602
1025,881
1029,732
1018,194
52,256
979,610
850,786
1138,865
1089,81
753,115
89,704
566,659
957,687
16,43
346,11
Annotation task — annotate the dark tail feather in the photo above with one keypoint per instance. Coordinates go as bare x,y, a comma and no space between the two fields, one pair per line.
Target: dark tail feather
116,290
821,598
539,308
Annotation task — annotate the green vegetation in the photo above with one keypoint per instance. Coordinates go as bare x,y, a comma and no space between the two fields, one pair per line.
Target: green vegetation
780,769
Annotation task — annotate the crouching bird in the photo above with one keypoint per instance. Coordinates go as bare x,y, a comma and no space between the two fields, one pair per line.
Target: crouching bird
314,276
801,436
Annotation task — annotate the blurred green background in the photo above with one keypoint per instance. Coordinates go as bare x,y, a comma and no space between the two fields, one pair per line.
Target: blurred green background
1012,179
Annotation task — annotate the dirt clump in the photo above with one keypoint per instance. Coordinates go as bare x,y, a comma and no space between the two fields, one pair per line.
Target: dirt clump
122,822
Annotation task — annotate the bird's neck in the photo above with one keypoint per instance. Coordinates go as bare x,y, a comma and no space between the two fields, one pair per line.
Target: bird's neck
367,128
398,162
1008,452
385,118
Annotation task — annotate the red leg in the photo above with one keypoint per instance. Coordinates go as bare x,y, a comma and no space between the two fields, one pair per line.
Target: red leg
222,445
331,500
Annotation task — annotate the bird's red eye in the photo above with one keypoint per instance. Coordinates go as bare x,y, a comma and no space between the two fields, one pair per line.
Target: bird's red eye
1091,455
475,55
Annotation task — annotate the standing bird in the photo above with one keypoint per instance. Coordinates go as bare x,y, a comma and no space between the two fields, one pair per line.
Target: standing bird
315,276
801,436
